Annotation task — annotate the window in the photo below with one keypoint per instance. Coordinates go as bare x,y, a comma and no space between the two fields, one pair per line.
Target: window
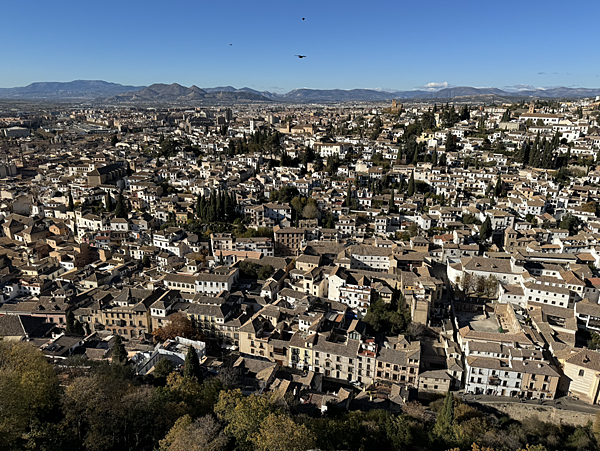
581,373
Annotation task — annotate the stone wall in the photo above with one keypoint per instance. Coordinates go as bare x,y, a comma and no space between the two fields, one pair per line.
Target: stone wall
523,412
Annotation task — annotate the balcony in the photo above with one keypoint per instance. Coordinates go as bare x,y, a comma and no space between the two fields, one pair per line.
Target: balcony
494,380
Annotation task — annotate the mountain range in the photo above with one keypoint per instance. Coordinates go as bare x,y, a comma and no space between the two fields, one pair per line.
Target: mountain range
78,89
162,93
106,92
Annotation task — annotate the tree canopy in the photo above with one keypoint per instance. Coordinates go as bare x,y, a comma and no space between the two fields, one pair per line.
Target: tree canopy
28,391
179,326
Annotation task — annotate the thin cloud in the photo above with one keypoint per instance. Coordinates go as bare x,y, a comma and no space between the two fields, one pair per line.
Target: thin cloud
541,73
434,86
520,87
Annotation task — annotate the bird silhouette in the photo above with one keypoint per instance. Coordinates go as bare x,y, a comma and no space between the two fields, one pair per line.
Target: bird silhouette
230,44
301,56
303,18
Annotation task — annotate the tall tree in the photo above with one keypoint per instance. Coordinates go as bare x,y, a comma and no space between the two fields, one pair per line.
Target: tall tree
498,187
28,391
119,354
121,208
522,156
450,143
70,321
547,160
411,185
191,366
348,196
199,206
486,229
443,159
444,425
71,206
465,113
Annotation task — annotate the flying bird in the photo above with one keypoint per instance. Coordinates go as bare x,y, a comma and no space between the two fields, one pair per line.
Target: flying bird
230,44
303,18
301,56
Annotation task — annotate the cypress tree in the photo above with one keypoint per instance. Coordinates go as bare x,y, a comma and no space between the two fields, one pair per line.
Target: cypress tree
444,425
450,144
411,184
71,204
70,321
199,207
555,141
534,156
443,159
78,328
523,155
486,229
119,354
498,188
109,203
415,158
213,208
192,365
203,208
226,207
121,209
348,196
434,157
547,156
219,212
233,205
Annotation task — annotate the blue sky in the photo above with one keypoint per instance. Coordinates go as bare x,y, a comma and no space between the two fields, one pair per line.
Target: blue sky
349,44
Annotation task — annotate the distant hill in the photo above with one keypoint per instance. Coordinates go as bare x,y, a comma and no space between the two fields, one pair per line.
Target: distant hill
87,89
267,94
163,93
336,95
562,92
176,93
462,91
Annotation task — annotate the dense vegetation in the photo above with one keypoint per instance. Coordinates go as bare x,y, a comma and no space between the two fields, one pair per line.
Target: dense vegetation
102,407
